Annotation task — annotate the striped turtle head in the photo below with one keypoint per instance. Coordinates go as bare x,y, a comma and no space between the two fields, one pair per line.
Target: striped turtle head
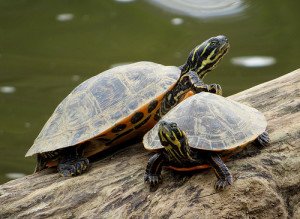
204,57
174,141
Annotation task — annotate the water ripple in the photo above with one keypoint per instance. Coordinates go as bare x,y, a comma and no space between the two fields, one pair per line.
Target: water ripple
65,17
7,89
253,61
202,8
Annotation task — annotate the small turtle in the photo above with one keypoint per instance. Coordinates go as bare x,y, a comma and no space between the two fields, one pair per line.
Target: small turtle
214,128
119,104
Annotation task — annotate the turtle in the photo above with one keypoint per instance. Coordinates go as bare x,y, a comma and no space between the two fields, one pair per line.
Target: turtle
203,131
120,104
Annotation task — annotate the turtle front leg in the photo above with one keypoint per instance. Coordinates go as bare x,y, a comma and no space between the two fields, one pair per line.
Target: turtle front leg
153,170
71,163
262,140
198,85
221,170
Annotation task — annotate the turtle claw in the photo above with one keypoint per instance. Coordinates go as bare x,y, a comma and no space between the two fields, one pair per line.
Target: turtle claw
215,89
221,184
153,180
73,167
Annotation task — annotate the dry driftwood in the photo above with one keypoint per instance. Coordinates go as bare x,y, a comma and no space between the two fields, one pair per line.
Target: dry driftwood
267,182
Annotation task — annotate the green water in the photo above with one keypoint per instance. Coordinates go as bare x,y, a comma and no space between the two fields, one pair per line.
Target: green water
44,59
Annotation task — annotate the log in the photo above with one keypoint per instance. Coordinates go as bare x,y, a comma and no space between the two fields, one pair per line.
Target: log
266,182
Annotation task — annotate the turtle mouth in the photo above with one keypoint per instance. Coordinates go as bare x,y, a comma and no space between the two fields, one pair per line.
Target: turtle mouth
224,49
224,45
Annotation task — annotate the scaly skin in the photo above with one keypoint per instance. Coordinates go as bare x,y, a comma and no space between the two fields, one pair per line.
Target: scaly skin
177,154
202,59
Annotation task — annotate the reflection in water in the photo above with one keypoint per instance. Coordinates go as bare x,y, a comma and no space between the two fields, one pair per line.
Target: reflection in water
7,89
75,78
124,0
14,175
177,21
27,125
253,61
202,8
65,17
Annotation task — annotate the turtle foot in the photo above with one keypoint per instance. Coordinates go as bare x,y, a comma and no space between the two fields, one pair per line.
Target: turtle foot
223,183
152,179
263,140
215,89
73,167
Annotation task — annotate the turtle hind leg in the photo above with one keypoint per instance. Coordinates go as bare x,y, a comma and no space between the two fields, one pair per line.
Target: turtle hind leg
40,163
262,140
71,163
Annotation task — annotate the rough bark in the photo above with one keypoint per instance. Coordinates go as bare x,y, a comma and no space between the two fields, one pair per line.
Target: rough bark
266,182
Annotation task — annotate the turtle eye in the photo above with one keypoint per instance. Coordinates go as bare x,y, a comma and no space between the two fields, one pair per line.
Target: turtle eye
173,125
213,43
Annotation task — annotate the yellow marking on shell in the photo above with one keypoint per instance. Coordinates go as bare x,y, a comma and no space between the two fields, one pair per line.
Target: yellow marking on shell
195,50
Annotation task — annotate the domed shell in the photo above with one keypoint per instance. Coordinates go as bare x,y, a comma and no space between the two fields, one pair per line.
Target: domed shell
212,122
102,101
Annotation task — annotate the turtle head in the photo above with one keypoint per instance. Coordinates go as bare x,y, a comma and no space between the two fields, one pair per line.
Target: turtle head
204,57
170,133
174,140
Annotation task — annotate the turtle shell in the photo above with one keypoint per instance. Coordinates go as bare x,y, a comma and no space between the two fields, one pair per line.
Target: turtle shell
212,122
101,102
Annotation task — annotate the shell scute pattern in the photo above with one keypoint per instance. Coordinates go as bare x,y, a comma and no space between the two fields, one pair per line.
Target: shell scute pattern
83,86
115,91
53,127
81,109
78,134
103,101
205,144
133,104
212,122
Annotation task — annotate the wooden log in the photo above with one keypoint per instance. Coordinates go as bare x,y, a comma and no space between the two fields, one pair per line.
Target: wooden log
266,182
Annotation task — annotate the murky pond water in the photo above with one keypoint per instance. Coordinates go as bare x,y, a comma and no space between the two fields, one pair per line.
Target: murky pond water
49,47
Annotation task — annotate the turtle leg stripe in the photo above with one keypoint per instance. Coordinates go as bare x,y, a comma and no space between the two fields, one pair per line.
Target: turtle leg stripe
221,170
153,170
198,86
263,140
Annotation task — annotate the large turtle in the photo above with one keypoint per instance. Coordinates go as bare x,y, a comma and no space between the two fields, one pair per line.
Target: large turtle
120,104
200,132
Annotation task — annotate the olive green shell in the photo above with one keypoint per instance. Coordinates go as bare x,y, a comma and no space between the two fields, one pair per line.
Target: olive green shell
102,101
212,122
